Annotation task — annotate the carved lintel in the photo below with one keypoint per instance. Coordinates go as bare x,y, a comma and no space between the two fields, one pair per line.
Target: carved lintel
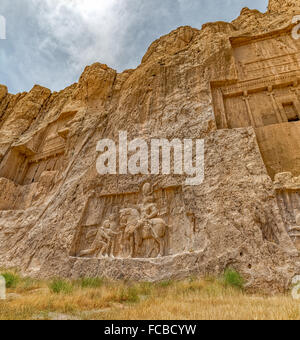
24,149
47,154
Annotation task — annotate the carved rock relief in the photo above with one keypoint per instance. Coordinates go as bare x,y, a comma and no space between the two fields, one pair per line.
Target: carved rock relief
265,95
267,89
36,161
266,55
148,224
288,198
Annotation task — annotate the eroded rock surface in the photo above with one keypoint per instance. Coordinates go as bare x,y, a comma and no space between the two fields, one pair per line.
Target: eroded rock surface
235,85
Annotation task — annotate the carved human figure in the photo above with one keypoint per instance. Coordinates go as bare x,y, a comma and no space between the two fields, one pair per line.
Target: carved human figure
129,219
143,223
103,240
148,208
112,229
296,228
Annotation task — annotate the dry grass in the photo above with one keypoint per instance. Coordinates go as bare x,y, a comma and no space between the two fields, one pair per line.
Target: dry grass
98,299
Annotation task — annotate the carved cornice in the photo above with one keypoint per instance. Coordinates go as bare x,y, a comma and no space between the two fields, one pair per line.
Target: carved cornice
256,85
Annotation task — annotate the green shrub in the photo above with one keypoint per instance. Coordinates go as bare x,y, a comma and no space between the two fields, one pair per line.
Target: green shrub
233,279
11,279
146,288
58,286
165,284
129,294
91,282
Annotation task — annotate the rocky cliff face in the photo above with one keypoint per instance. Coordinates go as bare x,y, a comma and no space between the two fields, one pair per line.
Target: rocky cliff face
58,216
279,6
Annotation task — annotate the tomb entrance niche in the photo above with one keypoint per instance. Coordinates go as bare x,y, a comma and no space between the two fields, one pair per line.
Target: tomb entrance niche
26,162
265,95
266,90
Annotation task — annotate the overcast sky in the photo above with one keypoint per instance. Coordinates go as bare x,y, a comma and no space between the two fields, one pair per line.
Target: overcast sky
49,42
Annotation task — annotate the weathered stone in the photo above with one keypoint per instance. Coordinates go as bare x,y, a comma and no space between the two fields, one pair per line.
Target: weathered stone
235,85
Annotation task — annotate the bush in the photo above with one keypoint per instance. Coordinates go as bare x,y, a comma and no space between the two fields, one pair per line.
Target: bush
165,284
146,288
58,286
129,294
233,279
91,282
11,279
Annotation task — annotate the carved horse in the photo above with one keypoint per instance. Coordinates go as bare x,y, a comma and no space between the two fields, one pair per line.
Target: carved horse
137,231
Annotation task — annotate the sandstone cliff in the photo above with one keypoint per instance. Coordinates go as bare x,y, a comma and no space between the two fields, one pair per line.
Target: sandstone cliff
52,199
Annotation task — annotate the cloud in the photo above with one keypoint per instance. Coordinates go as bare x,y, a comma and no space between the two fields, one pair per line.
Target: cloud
83,30
49,42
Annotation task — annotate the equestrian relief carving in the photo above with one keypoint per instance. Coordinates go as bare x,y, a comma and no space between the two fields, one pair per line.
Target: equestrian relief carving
134,230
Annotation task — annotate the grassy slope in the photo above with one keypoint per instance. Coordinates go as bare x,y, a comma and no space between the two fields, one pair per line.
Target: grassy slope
191,299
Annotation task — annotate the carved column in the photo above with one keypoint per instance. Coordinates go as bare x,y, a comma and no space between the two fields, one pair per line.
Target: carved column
220,100
279,117
296,92
298,199
280,114
250,114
